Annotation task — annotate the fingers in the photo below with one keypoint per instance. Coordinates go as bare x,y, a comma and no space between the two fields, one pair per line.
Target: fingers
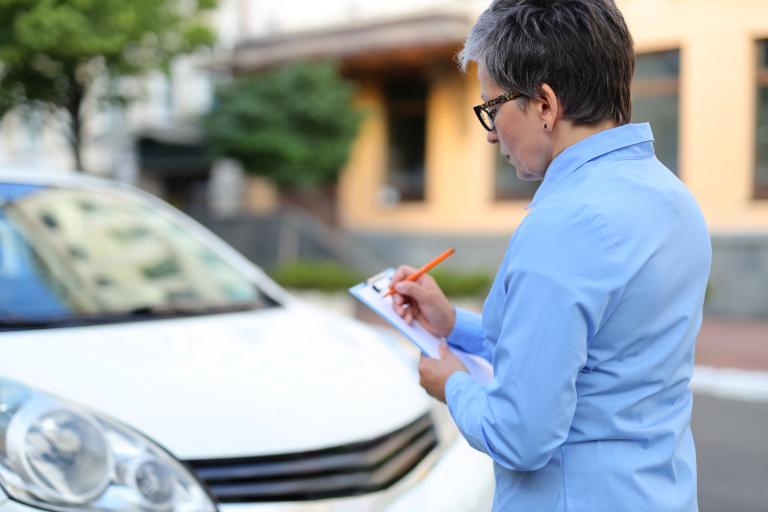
427,280
410,289
405,307
408,294
411,314
401,303
399,299
424,362
442,350
402,272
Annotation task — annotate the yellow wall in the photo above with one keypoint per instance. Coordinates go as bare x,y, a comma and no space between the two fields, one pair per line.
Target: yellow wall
459,168
717,41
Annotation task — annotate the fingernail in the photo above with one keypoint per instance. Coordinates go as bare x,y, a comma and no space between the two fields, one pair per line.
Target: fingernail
399,287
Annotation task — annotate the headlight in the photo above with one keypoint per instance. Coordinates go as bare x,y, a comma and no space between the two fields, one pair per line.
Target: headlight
58,456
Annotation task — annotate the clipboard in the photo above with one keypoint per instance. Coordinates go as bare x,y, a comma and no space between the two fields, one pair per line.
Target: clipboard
371,293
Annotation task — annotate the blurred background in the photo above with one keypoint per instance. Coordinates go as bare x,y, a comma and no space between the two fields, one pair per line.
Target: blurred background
327,140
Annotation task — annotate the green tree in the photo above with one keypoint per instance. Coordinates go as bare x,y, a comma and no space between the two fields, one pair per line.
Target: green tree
52,52
294,124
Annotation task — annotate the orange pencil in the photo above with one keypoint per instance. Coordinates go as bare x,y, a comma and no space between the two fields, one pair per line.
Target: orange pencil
423,270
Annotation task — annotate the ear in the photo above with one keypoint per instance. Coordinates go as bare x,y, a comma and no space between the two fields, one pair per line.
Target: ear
548,107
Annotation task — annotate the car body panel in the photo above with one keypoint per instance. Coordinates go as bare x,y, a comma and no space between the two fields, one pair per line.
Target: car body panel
274,381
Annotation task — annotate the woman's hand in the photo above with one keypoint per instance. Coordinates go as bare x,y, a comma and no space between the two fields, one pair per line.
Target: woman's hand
422,300
435,372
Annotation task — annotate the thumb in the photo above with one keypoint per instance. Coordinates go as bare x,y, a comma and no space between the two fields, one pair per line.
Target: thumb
410,289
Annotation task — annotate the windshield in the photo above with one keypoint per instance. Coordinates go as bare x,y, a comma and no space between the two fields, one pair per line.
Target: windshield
68,252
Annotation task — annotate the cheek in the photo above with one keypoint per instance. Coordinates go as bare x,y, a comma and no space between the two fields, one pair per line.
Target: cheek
532,157
506,141
527,151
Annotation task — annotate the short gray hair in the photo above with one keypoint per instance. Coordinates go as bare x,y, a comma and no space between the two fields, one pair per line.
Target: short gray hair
581,48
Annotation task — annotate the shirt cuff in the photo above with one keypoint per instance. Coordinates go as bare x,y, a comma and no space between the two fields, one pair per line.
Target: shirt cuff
468,327
453,386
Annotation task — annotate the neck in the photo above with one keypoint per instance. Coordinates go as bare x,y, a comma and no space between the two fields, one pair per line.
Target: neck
567,134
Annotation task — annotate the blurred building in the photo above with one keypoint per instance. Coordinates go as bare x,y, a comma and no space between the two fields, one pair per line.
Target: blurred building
156,141
421,175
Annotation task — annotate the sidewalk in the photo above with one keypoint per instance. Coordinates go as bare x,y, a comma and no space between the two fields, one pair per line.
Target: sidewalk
728,343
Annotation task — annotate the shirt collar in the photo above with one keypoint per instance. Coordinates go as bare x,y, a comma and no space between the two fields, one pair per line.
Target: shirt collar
594,146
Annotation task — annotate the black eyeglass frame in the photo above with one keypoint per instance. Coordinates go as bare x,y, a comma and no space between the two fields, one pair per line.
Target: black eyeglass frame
483,109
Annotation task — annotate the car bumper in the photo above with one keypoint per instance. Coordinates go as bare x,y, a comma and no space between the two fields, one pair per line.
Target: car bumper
439,483
458,479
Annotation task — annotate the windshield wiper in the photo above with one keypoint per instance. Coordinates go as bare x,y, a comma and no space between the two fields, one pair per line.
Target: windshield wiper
261,301
193,309
9,321
19,322
24,323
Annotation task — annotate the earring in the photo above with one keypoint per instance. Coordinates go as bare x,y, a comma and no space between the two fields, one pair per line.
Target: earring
545,126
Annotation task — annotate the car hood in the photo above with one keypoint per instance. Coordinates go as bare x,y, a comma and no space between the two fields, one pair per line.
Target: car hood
282,380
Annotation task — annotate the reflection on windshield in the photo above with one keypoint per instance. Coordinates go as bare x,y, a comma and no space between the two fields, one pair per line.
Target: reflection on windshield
85,252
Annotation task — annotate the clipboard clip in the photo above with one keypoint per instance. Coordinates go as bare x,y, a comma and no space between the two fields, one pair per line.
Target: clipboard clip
380,282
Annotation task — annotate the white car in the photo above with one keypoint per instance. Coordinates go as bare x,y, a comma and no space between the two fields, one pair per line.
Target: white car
147,366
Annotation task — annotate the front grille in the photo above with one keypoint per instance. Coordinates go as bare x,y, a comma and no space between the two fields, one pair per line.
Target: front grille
346,470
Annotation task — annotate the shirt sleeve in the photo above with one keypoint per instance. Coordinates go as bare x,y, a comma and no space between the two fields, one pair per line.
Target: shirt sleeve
524,414
467,334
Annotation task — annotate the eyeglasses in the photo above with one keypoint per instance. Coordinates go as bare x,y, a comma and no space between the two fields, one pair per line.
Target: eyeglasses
486,116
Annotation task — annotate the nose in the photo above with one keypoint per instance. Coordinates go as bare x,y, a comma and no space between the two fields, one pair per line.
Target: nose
492,137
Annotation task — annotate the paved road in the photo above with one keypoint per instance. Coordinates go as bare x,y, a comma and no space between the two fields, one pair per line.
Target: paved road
732,451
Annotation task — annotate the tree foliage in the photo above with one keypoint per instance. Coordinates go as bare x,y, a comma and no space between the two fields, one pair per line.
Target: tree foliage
52,51
294,124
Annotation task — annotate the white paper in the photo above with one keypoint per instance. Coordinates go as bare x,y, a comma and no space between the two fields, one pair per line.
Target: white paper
371,293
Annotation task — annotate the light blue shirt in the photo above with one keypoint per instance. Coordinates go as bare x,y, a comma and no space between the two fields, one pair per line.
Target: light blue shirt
590,325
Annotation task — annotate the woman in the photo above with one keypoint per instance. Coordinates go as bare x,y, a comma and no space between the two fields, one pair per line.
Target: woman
591,321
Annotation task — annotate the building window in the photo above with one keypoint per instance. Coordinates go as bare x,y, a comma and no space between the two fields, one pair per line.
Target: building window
407,131
761,141
656,99
508,187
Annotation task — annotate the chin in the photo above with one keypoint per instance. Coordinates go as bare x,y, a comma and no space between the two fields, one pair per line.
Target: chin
527,176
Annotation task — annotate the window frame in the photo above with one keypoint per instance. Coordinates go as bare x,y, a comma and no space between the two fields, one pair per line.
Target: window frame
759,190
661,86
406,107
